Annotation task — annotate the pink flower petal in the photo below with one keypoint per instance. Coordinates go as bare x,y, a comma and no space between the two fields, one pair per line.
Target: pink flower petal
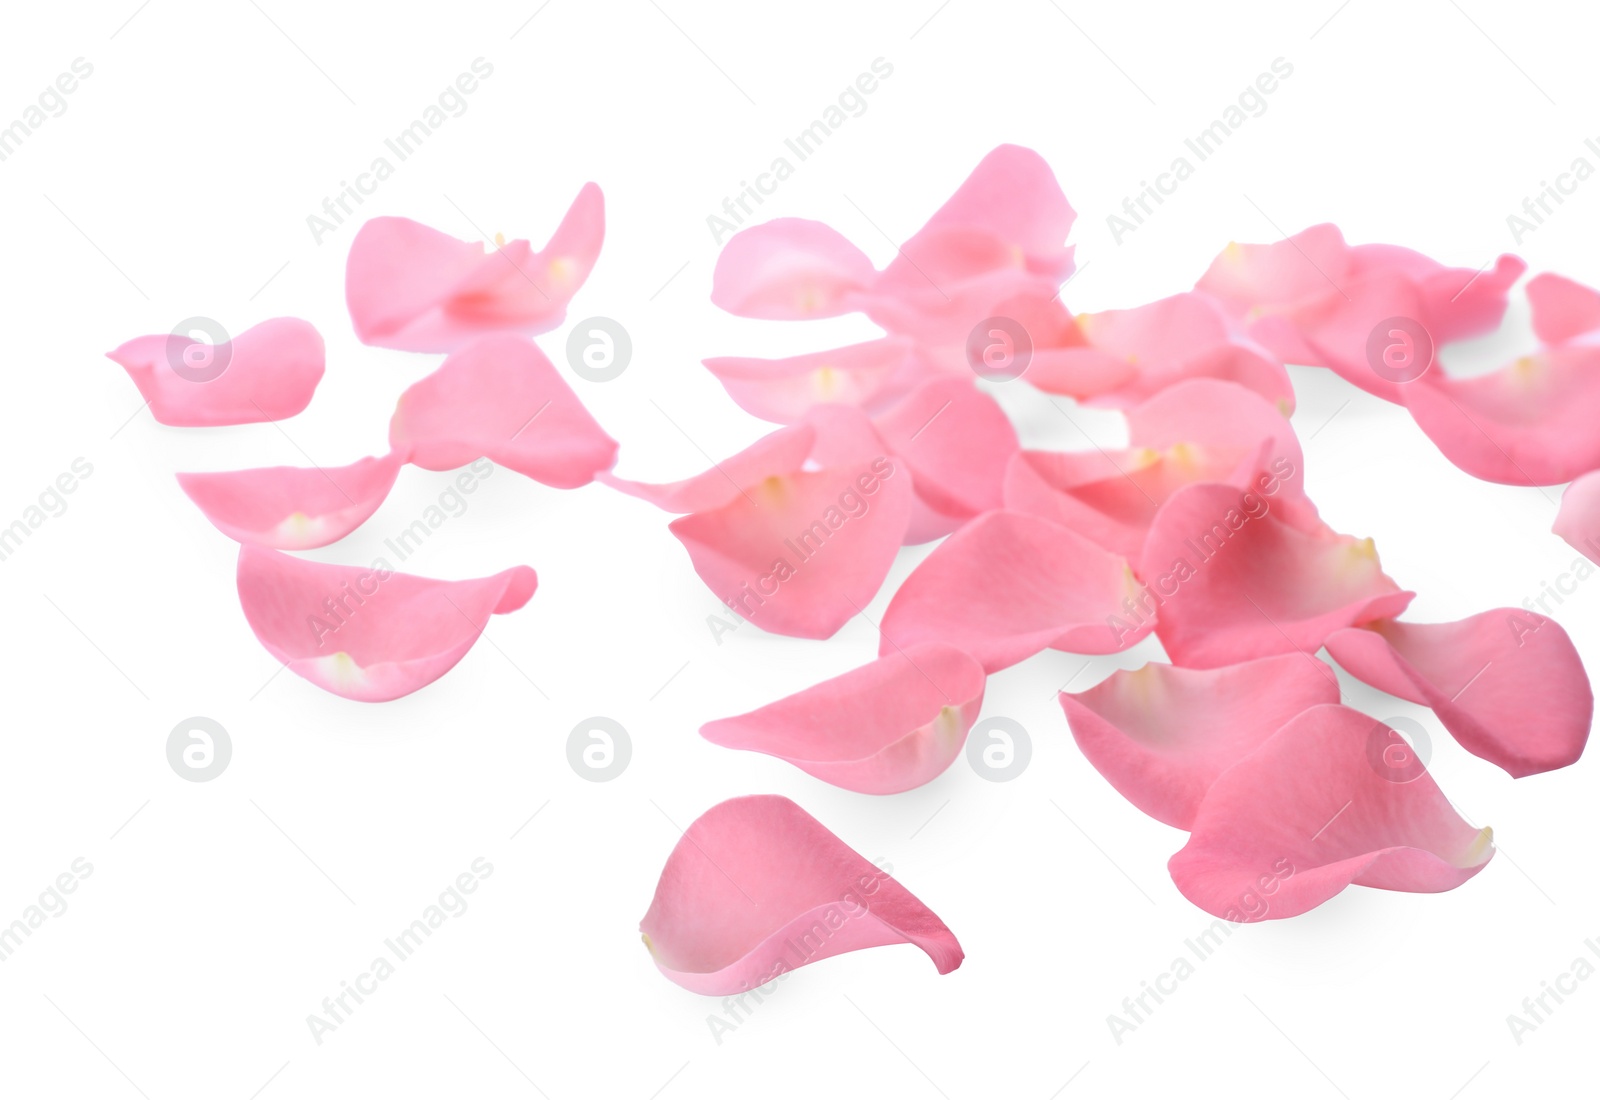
1532,423
290,508
1457,303
369,634
784,390
1007,586
802,553
790,269
885,727
1229,578
1562,308
500,398
1578,518
1508,684
773,455
1161,735
1306,814
957,442
414,288
757,887
267,372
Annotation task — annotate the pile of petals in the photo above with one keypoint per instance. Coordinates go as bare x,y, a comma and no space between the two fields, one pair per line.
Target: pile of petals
1198,532
372,634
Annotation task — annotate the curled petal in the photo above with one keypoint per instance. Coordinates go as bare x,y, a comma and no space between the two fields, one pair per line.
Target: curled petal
1457,303
290,508
369,634
886,727
1578,519
790,269
267,372
1228,579
500,398
414,288
1307,814
1508,684
1562,309
957,442
1007,586
1262,286
1161,735
801,553
757,887
784,390
773,455
1531,423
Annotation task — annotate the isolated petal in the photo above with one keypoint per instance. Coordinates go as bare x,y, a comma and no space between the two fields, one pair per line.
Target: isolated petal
369,634
267,372
757,887
1306,814
414,288
1578,519
784,390
1161,735
1562,308
289,507
500,398
773,455
790,269
1508,684
1228,578
1007,586
885,727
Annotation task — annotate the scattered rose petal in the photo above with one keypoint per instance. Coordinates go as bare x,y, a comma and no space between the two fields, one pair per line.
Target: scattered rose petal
885,727
790,269
784,390
267,372
1578,518
1562,309
291,508
1305,815
756,887
369,634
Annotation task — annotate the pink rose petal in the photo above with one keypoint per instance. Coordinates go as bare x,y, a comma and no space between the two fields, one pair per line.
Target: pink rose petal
756,887
291,508
790,269
1562,309
784,390
1578,518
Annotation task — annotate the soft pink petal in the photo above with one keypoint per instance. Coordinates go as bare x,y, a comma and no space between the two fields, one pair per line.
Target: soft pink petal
773,455
1306,814
289,507
790,269
1261,286
416,289
1457,303
1007,586
500,398
1229,578
784,390
369,634
1508,684
267,372
1161,735
1578,518
801,553
885,727
957,442
1532,423
1562,308
757,887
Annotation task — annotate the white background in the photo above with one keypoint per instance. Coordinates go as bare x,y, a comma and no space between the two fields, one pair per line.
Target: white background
217,918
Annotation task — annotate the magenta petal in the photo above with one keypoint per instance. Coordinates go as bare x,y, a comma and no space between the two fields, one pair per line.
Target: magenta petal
267,372
757,887
1508,684
1306,814
885,727
290,508
500,398
369,634
416,289
1161,735
800,554
1007,586
1562,309
1230,578
790,269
